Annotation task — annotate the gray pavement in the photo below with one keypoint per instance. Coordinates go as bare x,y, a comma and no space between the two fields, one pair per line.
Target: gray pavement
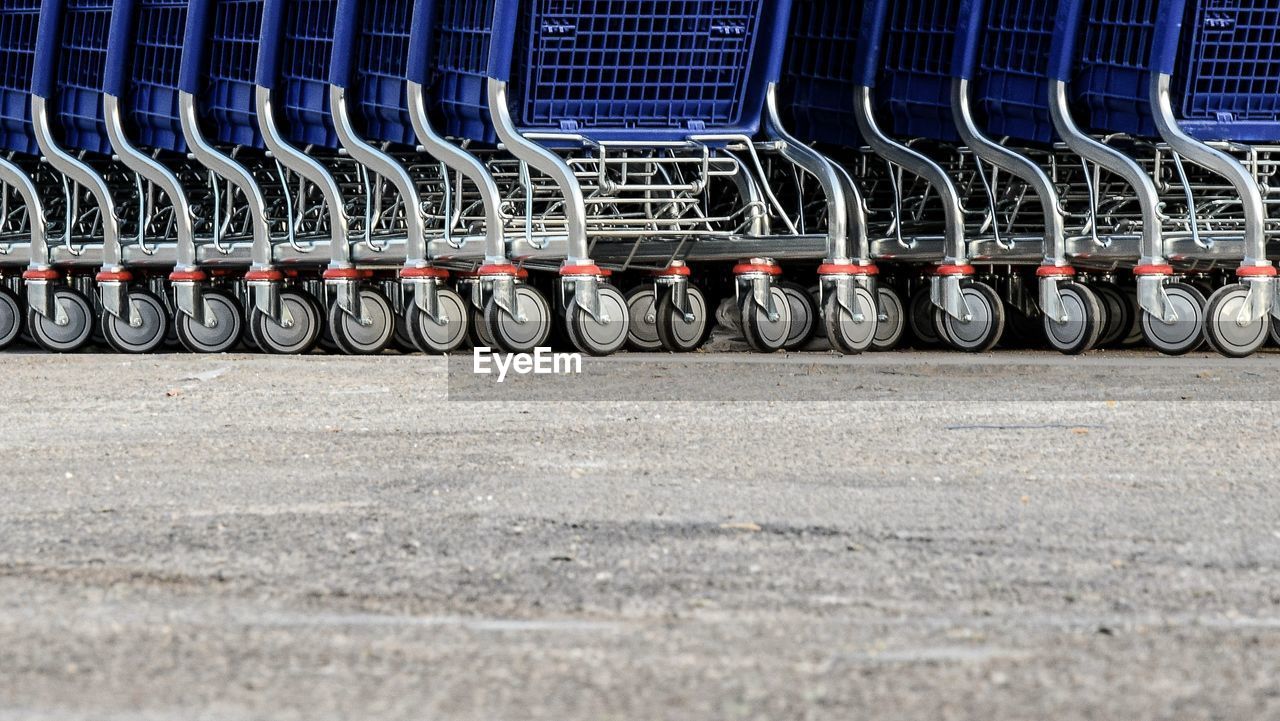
907,536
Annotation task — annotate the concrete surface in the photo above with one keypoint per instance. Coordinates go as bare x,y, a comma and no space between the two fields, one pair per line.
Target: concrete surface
948,538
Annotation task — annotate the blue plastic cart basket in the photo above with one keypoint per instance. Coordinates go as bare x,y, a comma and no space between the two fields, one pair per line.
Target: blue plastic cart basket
70,68
18,22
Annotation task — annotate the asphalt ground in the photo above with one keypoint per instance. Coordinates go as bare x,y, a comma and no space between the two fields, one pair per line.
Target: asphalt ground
904,536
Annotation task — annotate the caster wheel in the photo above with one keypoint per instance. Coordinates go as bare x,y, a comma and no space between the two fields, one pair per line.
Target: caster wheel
1224,332
1121,311
146,329
819,329
301,330
677,334
478,330
70,336
763,334
432,336
982,331
891,320
401,340
369,335
516,336
1080,332
221,330
920,319
845,334
642,309
599,337
1185,334
1023,330
10,318
804,316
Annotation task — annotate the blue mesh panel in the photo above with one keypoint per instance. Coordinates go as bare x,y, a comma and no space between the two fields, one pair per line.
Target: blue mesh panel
18,21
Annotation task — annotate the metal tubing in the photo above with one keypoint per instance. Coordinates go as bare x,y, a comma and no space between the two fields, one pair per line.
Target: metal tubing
1255,212
378,162
1018,166
549,164
495,248
157,174
223,165
79,172
820,168
917,163
315,173
1116,162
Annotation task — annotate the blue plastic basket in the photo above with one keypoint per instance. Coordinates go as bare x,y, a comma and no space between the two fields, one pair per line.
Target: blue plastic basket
144,55
1227,79
618,64
1103,50
1005,49
463,33
370,59
18,22
70,67
917,60
649,70
297,41
820,76
219,63
1223,56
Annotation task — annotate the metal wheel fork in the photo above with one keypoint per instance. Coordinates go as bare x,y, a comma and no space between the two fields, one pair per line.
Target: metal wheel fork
111,294
502,289
1255,270
845,286
947,293
755,277
675,279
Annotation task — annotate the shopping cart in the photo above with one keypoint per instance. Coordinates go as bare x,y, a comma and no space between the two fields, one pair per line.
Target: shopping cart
1004,115
267,218
905,68
28,189
336,202
1188,89
148,124
644,140
111,213
817,95
381,120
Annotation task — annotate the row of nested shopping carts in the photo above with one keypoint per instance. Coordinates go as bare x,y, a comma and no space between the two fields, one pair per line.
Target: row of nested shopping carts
432,173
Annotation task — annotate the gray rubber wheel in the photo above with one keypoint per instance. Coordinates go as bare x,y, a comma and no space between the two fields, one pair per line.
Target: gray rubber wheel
845,334
1224,332
982,331
74,334
510,334
677,334
1120,310
1183,335
920,319
763,334
1080,332
430,335
642,310
10,318
599,337
891,320
300,336
804,316
223,327
368,335
147,327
